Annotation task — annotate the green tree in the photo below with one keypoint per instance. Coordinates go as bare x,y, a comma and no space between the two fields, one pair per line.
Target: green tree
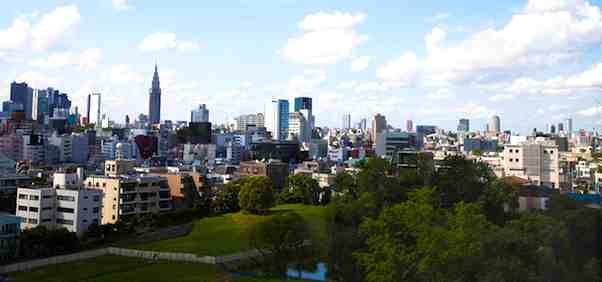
226,200
281,240
461,180
300,188
256,195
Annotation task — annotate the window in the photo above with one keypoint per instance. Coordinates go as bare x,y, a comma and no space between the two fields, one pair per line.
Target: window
33,209
46,208
32,220
85,221
85,209
34,197
85,197
64,221
65,198
95,210
96,198
46,196
23,208
22,197
46,220
65,210
95,221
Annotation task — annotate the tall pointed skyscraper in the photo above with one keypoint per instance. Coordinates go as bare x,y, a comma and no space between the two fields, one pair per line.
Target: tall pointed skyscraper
154,103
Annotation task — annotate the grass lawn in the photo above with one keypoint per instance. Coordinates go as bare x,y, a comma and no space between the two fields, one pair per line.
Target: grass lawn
227,234
115,268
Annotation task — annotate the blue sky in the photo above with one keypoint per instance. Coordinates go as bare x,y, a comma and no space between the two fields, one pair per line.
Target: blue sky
531,62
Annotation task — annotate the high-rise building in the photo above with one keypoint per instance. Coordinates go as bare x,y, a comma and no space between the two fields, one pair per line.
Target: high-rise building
463,125
494,124
200,115
298,126
305,103
409,125
379,127
276,118
22,94
560,127
569,127
421,132
363,124
154,103
346,121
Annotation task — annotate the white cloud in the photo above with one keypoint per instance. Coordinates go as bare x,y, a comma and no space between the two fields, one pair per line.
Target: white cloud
328,38
301,84
360,63
16,36
53,26
85,61
401,71
441,94
545,33
438,17
39,37
336,20
590,112
37,80
166,40
590,79
121,5
121,74
474,110
501,97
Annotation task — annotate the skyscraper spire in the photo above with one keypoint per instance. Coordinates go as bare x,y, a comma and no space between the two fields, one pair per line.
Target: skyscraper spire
154,105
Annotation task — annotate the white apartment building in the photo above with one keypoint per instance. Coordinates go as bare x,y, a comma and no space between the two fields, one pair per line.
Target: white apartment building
74,209
537,161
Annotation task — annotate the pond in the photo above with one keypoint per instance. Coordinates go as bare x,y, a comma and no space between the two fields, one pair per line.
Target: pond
317,273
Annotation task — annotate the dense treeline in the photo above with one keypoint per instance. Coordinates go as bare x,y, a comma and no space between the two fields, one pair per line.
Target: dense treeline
387,225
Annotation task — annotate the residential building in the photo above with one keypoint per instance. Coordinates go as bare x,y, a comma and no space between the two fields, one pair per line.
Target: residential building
535,161
200,115
10,227
275,170
276,118
396,142
129,195
73,209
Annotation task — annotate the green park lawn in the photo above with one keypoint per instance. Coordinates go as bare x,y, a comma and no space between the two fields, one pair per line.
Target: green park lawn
115,268
227,234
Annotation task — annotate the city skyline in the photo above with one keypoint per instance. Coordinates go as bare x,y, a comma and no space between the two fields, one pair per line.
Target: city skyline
376,63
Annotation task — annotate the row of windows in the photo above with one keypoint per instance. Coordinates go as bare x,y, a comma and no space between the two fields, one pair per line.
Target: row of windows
514,151
30,197
516,160
59,209
65,198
